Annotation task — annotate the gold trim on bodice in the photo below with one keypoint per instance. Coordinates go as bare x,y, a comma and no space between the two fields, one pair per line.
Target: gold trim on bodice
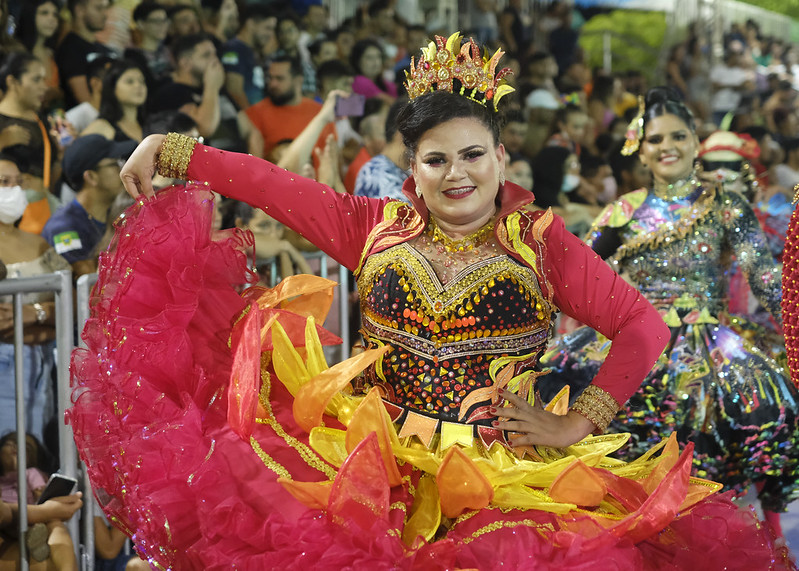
442,308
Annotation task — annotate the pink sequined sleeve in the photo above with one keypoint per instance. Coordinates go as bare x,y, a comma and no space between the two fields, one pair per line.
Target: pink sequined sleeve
586,288
338,224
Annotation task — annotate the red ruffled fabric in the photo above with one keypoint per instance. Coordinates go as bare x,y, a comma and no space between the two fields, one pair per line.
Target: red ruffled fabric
790,295
172,464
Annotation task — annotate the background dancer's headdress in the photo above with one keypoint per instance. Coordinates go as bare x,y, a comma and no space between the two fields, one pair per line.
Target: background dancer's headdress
445,60
635,130
727,156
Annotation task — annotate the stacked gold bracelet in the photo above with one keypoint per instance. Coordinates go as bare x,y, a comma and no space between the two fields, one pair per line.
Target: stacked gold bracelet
174,155
596,405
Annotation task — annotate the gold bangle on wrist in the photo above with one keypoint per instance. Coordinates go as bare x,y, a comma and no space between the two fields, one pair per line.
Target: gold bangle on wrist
596,405
172,159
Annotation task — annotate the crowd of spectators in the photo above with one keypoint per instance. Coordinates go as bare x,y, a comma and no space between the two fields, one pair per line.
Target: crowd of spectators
279,80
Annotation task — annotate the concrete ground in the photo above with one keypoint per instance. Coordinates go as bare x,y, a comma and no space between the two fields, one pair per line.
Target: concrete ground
790,527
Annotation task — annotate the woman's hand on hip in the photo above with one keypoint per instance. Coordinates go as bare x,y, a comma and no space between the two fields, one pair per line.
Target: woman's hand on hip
535,426
137,174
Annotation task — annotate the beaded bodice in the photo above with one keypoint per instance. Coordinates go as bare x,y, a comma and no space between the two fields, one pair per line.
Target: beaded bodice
680,248
449,316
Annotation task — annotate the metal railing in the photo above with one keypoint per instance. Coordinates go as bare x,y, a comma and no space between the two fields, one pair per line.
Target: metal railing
60,283
82,292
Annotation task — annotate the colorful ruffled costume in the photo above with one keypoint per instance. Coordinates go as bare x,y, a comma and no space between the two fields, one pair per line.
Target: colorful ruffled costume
712,385
217,437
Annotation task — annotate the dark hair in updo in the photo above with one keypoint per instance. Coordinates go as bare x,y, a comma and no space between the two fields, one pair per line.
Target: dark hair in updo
665,101
432,109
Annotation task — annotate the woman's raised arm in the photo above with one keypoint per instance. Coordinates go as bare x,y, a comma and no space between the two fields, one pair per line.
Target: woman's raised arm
137,174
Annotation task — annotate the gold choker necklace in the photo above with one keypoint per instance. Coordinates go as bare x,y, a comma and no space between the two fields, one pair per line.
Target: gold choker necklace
680,189
464,244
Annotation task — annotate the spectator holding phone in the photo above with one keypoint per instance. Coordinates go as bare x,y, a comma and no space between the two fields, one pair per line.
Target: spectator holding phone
370,124
48,540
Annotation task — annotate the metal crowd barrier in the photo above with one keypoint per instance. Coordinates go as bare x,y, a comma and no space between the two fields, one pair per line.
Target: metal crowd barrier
82,292
60,283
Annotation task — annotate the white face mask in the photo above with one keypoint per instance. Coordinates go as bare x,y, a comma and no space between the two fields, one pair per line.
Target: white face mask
12,203
570,182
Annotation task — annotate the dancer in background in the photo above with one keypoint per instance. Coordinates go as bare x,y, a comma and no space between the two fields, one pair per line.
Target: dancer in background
711,386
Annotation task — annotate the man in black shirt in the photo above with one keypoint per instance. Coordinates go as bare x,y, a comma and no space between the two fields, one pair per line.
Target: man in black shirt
80,47
194,85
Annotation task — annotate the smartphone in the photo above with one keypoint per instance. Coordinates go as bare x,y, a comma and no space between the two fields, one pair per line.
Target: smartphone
58,122
351,106
58,485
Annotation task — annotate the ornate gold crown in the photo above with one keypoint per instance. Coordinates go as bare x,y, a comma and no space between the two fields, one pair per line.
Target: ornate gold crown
443,61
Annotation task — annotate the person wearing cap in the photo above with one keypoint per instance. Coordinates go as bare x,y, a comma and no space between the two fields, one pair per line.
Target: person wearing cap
725,158
91,167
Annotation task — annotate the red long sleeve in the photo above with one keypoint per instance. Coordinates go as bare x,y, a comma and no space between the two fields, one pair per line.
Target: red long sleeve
586,288
338,224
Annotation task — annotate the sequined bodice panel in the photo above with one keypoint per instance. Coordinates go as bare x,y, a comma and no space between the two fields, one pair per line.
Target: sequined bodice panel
688,265
693,263
448,316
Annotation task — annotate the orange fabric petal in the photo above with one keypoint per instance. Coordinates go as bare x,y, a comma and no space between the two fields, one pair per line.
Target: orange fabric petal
578,484
315,495
628,493
560,403
312,398
698,490
305,294
668,458
461,485
371,418
474,397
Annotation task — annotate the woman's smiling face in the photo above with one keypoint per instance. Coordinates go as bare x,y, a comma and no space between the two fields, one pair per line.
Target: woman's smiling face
457,167
668,148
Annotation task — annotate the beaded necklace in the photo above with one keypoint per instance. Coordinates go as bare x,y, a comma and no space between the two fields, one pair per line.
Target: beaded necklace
466,243
677,190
